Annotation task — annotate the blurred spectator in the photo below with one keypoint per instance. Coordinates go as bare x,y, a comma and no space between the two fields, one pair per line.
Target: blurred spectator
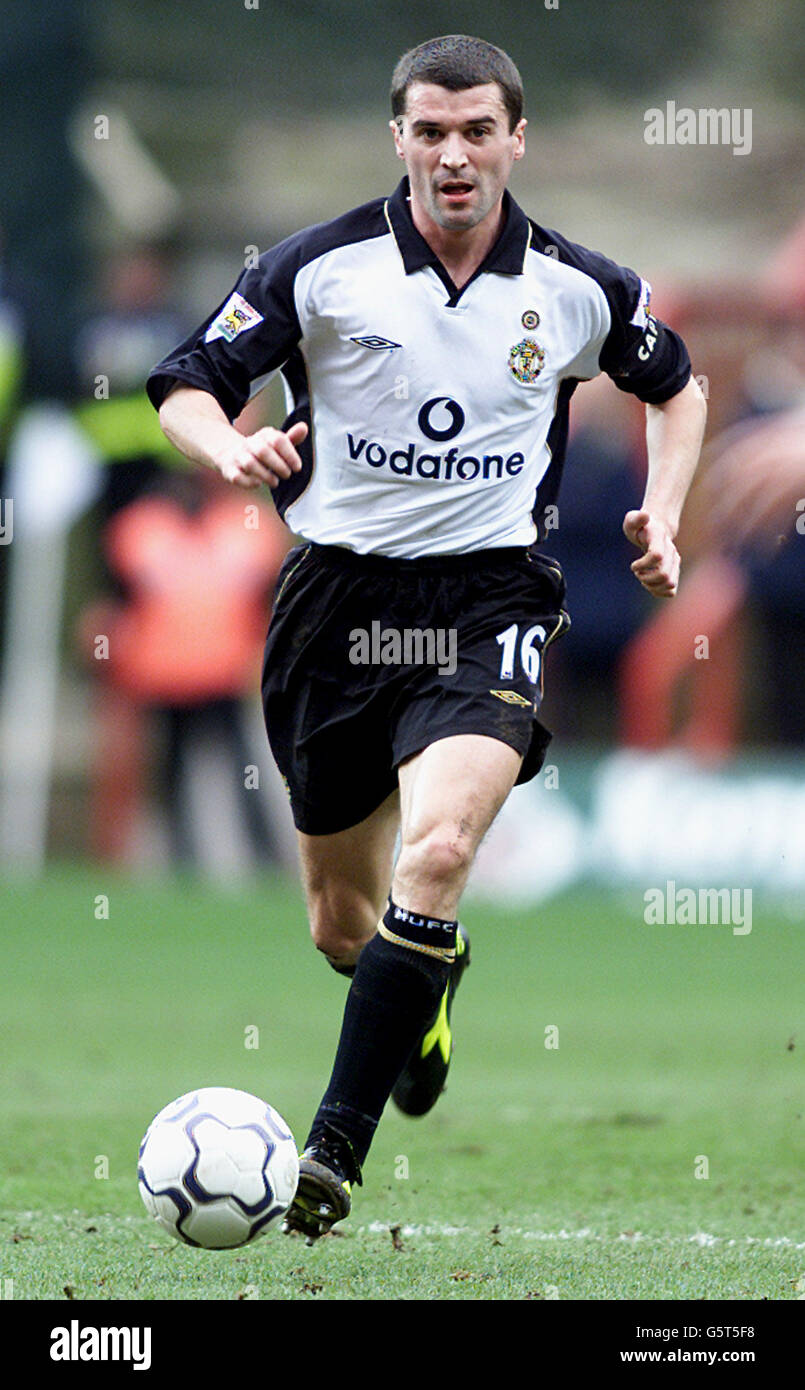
756,483
750,503
12,363
133,327
11,354
757,480
196,567
600,483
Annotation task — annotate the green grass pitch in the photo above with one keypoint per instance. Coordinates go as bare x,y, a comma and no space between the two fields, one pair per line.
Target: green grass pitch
574,1171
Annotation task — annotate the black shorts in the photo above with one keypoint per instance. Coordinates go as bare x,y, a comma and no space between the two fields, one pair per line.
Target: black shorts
368,660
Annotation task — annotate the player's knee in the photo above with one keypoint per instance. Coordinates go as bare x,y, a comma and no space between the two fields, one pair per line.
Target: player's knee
442,856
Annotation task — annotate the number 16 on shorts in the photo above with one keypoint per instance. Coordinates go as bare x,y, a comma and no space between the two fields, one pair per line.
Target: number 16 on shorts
530,651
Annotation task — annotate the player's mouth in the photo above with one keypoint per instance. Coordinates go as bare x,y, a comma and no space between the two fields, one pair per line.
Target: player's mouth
456,190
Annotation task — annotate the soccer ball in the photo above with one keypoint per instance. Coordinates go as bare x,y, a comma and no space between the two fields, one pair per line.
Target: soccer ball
217,1167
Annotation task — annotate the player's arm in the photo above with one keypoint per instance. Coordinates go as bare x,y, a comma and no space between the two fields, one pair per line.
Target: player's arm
197,425
204,384
674,433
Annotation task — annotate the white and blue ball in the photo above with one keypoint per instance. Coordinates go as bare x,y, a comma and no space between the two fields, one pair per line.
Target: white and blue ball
218,1167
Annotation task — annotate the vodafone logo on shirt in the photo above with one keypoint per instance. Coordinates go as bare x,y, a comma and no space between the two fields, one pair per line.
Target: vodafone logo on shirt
441,419
428,418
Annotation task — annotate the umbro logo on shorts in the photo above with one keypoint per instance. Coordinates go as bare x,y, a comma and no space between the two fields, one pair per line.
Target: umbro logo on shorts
511,697
375,343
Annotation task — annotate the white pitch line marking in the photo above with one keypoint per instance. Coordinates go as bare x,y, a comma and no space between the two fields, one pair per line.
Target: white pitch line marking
701,1238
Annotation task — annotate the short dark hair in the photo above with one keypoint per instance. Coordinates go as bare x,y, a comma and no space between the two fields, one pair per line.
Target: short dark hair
457,62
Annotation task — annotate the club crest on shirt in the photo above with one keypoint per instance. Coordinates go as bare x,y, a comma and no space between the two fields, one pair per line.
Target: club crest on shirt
526,360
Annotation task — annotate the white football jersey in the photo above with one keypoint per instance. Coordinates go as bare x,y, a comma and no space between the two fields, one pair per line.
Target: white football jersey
438,417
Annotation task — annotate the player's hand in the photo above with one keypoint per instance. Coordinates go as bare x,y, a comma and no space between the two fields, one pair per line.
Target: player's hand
658,567
264,457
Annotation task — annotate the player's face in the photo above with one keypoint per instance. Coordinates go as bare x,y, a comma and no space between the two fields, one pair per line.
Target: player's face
459,151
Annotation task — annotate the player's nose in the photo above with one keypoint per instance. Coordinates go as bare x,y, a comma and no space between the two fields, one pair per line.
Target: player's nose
454,154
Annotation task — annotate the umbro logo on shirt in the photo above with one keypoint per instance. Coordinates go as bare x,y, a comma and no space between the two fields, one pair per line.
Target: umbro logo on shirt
375,343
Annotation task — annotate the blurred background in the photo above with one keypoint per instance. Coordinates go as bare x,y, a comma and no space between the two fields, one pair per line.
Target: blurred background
148,151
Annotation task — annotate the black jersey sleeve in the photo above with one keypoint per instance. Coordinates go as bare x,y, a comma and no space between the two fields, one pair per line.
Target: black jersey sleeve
640,353
643,355
249,336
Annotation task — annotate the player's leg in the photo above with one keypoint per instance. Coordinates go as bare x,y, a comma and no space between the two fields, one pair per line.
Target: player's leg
345,878
450,794
436,855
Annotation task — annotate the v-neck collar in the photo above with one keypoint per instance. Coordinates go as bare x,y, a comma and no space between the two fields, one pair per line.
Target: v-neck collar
506,256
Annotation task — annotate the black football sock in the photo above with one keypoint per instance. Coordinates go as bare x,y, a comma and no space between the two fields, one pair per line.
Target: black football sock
399,980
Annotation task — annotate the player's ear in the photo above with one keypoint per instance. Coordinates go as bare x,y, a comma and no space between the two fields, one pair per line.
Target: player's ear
395,125
518,134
